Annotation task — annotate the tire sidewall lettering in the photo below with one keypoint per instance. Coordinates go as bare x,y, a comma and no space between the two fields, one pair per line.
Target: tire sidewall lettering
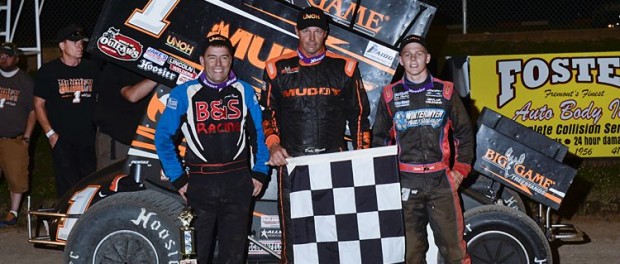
143,213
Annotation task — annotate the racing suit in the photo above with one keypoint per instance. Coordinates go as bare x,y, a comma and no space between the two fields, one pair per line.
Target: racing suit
307,106
419,118
217,124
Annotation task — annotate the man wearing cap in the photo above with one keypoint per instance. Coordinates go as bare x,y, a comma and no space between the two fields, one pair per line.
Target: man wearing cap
17,119
64,104
220,118
419,112
309,97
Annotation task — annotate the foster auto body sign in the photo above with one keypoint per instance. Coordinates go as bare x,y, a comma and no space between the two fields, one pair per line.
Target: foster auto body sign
573,98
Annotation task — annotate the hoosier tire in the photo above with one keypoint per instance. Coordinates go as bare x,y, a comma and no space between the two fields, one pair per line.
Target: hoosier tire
498,234
135,227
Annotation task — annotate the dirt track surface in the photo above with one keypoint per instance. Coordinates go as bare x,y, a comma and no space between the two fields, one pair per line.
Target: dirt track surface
603,233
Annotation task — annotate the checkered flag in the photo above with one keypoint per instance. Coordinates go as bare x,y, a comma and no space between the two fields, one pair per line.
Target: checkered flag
346,207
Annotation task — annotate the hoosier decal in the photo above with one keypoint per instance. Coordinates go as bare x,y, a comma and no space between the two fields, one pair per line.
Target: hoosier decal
148,66
116,45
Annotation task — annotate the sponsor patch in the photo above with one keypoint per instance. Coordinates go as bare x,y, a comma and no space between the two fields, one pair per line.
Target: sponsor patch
141,162
432,117
401,99
183,79
269,234
148,66
289,70
155,56
180,43
433,101
380,53
269,221
401,96
182,68
275,245
172,103
181,71
401,103
116,45
434,93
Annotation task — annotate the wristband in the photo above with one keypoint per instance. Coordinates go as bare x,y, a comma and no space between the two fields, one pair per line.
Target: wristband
26,139
50,133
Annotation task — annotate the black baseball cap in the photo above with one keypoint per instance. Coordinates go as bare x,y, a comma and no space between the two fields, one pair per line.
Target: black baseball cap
413,39
71,32
10,49
312,17
217,41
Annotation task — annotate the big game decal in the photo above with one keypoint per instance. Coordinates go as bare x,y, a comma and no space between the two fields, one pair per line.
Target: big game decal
522,159
386,21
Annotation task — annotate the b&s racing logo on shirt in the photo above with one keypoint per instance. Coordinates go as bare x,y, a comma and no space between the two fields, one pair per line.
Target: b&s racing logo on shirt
119,46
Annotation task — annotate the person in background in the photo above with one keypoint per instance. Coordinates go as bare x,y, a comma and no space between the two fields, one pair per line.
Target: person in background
419,112
64,104
309,97
220,118
123,97
17,121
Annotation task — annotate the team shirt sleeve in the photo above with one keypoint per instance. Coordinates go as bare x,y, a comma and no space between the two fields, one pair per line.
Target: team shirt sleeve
260,169
463,136
359,109
383,124
167,126
269,100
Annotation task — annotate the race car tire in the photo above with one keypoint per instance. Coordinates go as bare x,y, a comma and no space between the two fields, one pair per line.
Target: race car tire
481,184
133,227
499,234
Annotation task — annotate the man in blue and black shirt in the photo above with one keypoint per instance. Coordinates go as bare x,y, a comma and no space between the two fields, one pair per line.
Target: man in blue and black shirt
220,118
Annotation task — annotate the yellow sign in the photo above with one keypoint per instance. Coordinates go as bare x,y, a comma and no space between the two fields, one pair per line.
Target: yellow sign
573,98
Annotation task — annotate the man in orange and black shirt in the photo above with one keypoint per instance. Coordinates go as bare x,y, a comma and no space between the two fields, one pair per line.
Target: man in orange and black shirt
309,97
